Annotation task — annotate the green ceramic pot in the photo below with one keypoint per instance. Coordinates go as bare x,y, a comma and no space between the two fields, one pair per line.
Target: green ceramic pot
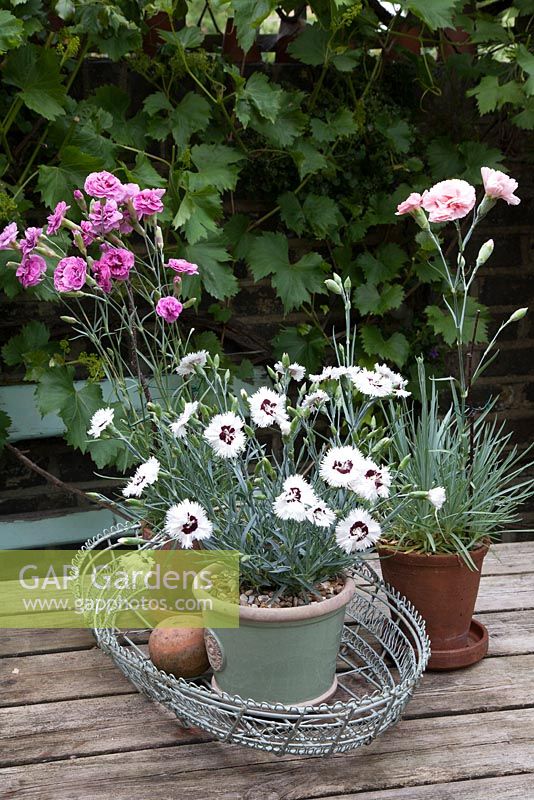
280,655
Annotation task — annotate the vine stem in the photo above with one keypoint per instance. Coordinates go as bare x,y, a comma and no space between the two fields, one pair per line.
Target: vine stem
60,485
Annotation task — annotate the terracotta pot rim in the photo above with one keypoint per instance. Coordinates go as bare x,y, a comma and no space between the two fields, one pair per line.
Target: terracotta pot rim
300,613
433,559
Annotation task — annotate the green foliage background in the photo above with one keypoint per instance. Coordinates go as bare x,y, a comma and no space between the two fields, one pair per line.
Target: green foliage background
287,171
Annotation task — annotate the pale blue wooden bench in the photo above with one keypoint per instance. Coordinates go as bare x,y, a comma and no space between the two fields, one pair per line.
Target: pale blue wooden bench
46,530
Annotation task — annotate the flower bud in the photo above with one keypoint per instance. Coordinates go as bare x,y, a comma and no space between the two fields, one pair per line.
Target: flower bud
517,315
80,199
405,461
78,241
333,286
190,302
484,253
421,218
347,284
381,444
486,205
158,238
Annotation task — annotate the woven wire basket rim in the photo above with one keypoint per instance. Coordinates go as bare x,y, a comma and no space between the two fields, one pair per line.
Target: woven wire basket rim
184,690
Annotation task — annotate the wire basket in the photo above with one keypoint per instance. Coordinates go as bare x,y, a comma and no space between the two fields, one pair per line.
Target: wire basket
384,651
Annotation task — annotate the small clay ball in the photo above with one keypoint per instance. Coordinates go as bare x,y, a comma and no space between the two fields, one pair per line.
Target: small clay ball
178,651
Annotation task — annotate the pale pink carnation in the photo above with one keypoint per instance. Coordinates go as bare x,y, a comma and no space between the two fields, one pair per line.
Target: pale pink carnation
8,237
31,238
183,266
449,200
104,216
119,261
499,186
169,308
148,202
103,184
56,218
31,270
70,274
412,203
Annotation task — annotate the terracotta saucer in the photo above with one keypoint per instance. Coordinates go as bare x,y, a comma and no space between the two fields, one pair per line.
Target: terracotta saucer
476,649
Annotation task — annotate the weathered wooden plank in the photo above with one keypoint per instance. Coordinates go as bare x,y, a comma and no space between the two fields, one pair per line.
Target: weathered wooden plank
415,752
511,632
48,640
57,676
506,593
489,685
506,787
55,730
509,559
62,730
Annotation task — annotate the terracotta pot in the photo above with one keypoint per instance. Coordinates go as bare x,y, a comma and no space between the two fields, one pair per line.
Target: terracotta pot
444,591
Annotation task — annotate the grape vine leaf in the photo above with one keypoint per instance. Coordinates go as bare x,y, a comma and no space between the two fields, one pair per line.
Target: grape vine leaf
436,14
308,158
11,30
310,46
323,215
56,183
368,300
258,96
291,212
217,164
335,126
216,274
304,344
192,114
36,72
32,336
248,16
396,348
294,282
199,210
441,322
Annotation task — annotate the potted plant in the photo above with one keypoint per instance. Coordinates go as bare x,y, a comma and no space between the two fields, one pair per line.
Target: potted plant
433,555
290,474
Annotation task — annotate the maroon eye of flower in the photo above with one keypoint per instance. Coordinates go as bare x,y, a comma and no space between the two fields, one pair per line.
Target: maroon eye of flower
191,525
268,407
295,493
373,474
359,531
227,434
343,467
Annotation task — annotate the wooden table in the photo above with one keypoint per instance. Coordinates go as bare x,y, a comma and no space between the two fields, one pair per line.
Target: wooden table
73,728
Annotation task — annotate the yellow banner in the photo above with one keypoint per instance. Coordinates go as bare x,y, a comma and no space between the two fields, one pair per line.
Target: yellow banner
119,588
